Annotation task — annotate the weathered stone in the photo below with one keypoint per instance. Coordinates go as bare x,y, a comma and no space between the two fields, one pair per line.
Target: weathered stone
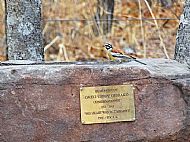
182,50
41,102
24,30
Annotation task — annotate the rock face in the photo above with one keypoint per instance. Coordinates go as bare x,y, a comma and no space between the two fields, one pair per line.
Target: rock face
41,102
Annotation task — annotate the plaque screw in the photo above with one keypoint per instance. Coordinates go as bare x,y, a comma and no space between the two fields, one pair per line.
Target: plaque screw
81,87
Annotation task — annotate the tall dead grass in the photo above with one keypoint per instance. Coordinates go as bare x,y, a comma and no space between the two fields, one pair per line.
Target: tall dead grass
74,40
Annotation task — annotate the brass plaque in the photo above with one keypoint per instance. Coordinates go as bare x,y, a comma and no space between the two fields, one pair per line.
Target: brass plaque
106,104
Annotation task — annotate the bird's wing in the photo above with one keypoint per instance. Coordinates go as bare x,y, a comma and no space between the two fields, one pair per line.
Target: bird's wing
119,55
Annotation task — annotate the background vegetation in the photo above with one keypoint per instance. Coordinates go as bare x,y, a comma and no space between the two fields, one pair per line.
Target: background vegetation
68,34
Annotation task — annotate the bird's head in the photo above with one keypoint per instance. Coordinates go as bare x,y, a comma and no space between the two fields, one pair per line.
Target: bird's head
108,46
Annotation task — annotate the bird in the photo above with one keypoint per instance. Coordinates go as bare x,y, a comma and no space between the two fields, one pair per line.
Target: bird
115,55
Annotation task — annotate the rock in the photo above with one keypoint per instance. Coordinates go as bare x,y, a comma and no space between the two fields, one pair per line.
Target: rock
41,102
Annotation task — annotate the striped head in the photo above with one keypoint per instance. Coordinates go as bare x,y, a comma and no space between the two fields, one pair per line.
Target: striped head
108,46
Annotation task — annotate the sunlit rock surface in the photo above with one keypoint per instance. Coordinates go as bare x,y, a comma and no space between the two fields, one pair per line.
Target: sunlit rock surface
41,102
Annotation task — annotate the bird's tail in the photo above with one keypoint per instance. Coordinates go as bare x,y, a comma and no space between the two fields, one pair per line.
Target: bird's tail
139,61
128,57
135,59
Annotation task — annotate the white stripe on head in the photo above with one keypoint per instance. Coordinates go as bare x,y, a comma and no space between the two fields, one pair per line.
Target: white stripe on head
108,46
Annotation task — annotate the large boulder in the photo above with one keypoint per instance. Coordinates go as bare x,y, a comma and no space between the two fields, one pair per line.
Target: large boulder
41,102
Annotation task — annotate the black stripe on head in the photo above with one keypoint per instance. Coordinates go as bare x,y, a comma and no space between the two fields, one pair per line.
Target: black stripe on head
108,46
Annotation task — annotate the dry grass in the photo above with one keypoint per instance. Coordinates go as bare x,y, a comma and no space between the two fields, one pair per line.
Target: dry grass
75,40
